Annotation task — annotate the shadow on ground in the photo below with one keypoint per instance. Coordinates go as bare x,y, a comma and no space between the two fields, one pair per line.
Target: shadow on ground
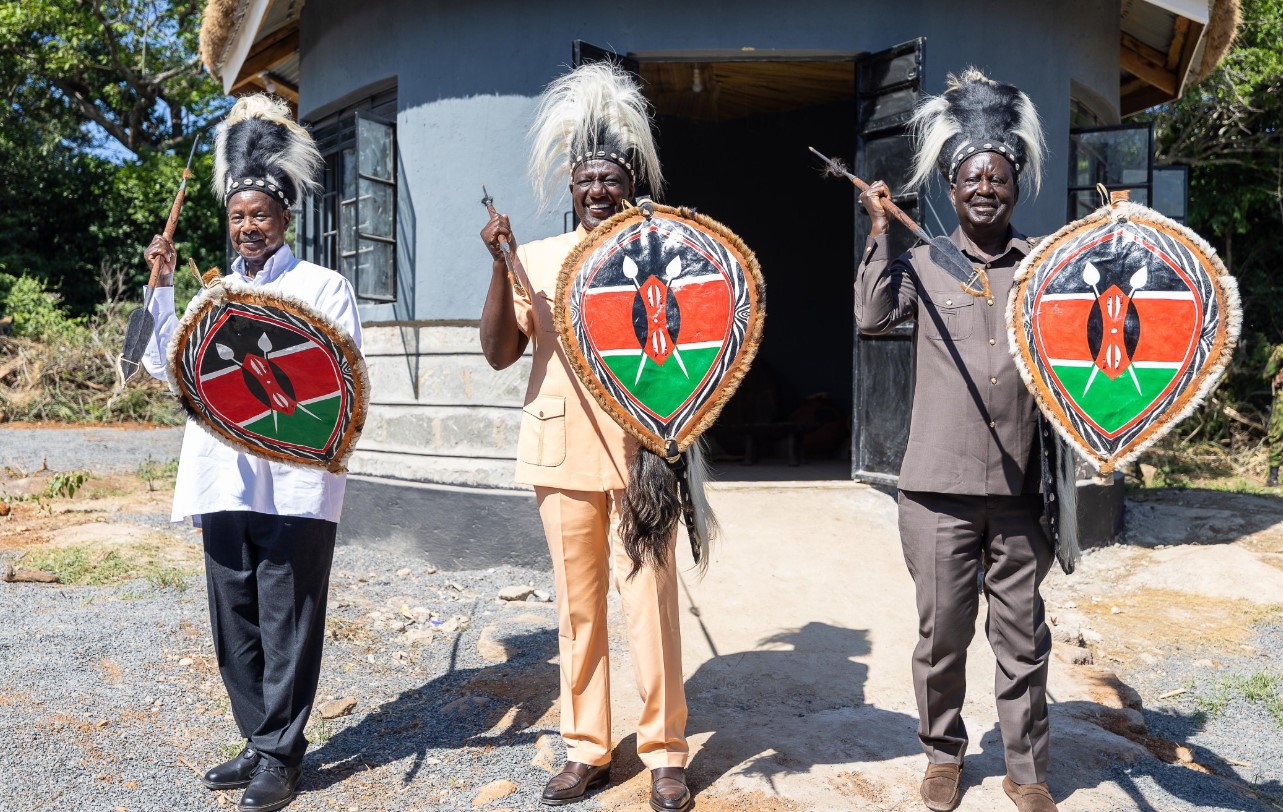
794,703
461,708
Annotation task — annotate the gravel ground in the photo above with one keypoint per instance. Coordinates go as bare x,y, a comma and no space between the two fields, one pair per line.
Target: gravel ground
1226,731
109,697
102,450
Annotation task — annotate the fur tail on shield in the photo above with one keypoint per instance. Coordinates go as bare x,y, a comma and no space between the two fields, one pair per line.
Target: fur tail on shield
658,496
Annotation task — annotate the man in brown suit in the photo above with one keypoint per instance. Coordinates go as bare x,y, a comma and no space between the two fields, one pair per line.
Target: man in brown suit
969,485
576,457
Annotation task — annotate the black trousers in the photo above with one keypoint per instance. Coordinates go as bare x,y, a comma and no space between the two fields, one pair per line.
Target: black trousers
268,579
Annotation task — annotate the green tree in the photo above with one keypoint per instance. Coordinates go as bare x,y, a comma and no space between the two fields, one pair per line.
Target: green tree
1229,130
102,102
128,66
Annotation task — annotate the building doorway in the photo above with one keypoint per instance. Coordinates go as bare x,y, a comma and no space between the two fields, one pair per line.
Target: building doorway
733,135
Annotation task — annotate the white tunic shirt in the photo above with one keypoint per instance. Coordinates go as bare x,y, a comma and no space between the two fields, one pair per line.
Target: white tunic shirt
213,476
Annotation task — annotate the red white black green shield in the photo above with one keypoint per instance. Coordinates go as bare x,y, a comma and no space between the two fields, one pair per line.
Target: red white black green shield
271,377
1121,323
661,315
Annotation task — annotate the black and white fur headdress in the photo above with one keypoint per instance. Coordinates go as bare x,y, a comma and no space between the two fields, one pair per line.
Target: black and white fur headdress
595,112
976,114
261,148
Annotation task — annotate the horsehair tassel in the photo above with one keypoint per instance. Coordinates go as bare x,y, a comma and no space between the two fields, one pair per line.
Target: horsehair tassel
652,506
682,471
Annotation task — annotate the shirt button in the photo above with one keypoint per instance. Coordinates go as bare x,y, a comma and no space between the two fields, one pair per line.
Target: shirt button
993,380
992,342
987,266
990,302
992,423
948,301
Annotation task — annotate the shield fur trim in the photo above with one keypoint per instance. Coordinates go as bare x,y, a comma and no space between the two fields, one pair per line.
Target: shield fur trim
1186,401
222,290
707,413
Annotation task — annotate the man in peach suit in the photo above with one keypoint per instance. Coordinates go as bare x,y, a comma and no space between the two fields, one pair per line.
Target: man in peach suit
576,456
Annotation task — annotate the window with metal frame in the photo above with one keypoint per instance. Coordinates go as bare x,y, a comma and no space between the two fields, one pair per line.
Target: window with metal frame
1122,157
350,223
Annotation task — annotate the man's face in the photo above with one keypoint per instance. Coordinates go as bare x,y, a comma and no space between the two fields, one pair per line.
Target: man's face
985,192
596,189
257,225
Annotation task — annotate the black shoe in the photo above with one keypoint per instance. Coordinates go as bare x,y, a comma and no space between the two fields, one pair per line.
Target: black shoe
668,790
235,773
573,783
272,788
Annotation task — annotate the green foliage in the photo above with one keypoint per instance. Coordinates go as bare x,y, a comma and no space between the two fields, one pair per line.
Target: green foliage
1261,688
128,67
65,484
151,471
35,311
1227,129
91,565
102,102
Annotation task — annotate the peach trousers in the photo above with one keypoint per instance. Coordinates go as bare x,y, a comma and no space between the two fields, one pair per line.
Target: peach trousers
583,531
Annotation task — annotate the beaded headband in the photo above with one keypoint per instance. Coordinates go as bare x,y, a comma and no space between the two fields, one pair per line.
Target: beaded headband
265,185
620,157
968,148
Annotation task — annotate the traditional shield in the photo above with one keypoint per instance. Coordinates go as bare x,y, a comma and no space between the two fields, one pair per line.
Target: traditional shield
1121,323
660,311
270,376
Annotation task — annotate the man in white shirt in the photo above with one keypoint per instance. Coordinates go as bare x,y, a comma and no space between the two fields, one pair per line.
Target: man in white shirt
269,528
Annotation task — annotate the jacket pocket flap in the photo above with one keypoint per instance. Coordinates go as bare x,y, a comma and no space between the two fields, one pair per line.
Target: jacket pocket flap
951,299
546,407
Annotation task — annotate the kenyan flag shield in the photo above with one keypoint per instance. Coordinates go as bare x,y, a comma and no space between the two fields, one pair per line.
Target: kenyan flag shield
270,376
660,311
1121,323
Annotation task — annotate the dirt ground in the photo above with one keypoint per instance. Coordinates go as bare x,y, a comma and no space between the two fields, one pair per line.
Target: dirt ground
1142,628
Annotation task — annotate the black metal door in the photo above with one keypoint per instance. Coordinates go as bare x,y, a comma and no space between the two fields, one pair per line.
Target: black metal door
582,53
888,85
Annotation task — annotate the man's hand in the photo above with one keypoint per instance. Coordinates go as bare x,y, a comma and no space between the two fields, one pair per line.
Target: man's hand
872,199
161,252
495,232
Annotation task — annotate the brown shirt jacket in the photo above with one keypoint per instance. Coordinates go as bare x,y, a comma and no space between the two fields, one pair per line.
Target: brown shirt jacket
974,424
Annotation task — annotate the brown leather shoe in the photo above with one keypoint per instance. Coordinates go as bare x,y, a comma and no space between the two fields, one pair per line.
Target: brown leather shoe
573,783
942,786
1029,797
668,790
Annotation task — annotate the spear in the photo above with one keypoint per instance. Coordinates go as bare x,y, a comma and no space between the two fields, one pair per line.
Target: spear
515,270
943,253
142,324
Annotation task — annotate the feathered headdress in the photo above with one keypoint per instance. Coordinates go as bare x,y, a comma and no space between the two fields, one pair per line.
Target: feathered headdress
595,112
260,148
976,114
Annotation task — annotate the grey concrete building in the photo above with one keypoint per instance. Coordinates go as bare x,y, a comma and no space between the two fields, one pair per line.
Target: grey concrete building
417,103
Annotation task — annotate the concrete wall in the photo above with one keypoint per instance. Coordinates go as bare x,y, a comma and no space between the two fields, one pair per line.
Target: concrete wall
467,78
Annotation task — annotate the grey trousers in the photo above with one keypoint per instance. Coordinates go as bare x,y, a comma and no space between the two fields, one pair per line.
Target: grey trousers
268,579
949,540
